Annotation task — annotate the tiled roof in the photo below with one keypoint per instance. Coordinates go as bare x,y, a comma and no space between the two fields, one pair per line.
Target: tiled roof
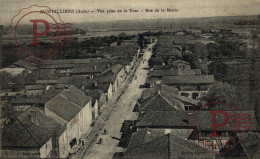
161,67
163,88
46,82
168,52
62,107
142,136
167,91
103,86
176,62
23,133
250,143
25,64
76,95
105,78
169,72
234,118
34,87
189,79
88,69
114,69
67,61
167,147
164,119
29,100
162,103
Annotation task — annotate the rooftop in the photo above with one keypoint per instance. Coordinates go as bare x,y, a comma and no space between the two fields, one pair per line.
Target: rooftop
189,79
235,118
62,107
164,119
25,133
161,102
166,146
76,95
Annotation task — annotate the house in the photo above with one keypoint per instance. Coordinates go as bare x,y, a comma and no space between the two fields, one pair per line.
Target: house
163,88
88,70
114,75
148,145
73,109
203,129
168,53
156,75
106,87
169,91
14,71
98,100
47,82
191,86
21,104
160,102
25,64
32,134
165,120
247,147
34,89
181,65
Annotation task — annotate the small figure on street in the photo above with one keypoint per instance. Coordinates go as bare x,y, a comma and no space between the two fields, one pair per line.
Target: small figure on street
79,141
105,131
83,143
135,77
100,141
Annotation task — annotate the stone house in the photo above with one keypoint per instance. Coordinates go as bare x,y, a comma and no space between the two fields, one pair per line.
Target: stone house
32,134
73,109
191,86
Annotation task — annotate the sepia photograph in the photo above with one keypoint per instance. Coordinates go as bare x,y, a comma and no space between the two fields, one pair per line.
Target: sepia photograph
130,79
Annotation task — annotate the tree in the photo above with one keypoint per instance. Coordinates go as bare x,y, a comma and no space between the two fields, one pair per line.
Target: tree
189,57
223,89
141,40
218,69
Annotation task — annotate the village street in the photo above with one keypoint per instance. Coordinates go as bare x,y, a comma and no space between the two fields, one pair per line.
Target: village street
122,110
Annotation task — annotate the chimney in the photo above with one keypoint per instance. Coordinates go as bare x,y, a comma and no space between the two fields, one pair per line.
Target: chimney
95,67
148,132
66,87
167,131
33,116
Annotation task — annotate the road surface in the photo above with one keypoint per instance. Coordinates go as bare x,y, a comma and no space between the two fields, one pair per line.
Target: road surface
122,110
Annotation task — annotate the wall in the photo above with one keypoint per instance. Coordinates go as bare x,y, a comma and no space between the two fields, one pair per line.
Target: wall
55,117
109,92
79,125
34,92
182,133
95,110
20,153
46,149
102,100
120,77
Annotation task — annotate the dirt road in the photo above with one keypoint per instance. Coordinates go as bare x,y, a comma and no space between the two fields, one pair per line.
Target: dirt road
121,111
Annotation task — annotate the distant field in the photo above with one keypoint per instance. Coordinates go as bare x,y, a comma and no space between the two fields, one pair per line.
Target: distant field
28,38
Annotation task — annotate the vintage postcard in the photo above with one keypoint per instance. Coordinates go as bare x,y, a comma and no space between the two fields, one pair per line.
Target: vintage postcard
130,79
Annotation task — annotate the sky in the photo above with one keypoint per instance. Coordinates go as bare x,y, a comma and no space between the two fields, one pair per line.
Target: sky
186,8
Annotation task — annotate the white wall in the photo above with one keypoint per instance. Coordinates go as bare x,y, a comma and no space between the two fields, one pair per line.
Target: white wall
46,149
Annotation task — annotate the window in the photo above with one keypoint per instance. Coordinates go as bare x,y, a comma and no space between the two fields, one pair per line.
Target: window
185,94
195,95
